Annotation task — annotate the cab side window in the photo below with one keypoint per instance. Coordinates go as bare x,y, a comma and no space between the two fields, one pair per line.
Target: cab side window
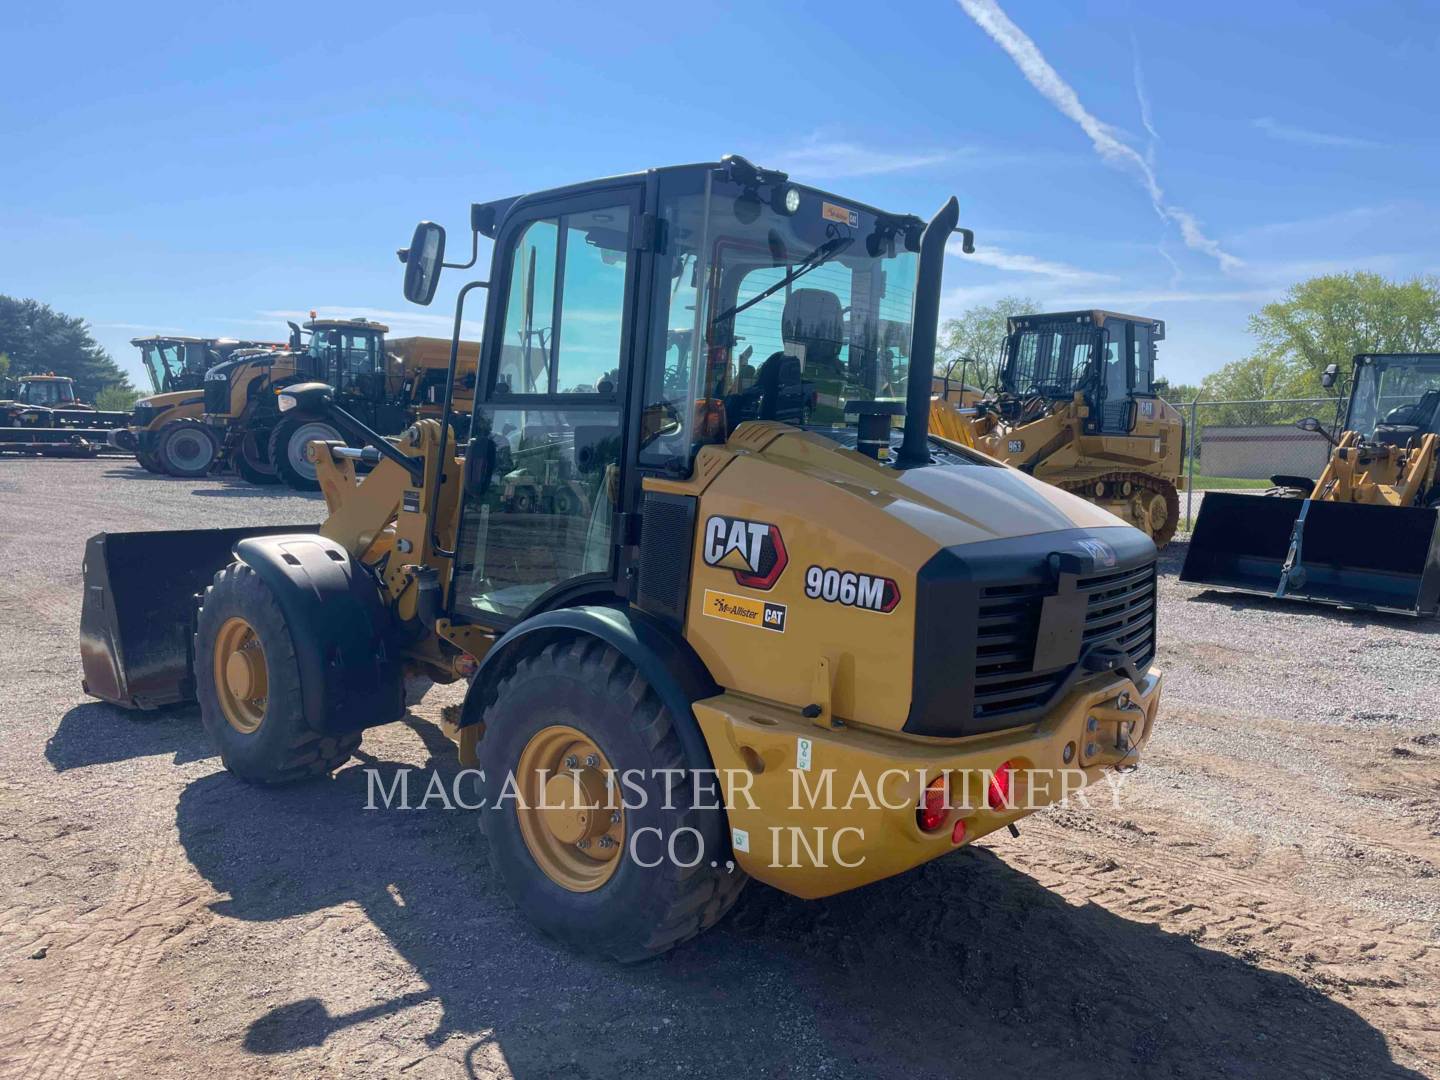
564,311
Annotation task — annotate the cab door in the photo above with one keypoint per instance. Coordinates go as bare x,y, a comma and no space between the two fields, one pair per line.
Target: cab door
556,360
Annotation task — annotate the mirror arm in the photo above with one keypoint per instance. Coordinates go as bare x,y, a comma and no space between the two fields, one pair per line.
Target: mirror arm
436,547
474,254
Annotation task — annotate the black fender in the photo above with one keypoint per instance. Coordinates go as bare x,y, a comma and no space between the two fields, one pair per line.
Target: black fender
662,656
350,671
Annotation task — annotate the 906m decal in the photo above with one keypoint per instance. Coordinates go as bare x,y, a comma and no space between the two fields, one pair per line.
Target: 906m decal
851,589
752,550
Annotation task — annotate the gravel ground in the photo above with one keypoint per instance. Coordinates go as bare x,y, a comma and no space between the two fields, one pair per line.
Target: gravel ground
1263,902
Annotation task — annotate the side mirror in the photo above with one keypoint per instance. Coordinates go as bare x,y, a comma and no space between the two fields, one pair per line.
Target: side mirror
1329,375
480,464
1309,424
422,261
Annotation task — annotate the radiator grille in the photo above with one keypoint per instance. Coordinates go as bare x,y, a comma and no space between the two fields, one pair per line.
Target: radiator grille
217,396
1120,612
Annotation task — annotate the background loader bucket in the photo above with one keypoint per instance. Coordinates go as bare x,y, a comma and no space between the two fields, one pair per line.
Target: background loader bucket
138,614
1353,554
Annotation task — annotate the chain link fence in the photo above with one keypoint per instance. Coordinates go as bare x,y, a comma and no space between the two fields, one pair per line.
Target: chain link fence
1240,445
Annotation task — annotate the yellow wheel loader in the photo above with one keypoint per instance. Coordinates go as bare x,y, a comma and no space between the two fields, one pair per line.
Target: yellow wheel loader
751,650
1076,407
167,431
1363,535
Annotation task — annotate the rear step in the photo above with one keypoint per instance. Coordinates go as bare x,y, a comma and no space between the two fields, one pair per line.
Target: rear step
142,591
1354,555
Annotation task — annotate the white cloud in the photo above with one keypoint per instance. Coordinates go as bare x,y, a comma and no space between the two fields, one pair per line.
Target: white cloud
820,157
999,259
1289,133
1037,70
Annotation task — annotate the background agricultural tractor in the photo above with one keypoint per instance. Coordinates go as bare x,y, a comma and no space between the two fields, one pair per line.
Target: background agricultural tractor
41,414
166,431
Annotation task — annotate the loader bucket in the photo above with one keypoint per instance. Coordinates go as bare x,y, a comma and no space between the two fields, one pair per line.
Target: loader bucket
1357,555
142,591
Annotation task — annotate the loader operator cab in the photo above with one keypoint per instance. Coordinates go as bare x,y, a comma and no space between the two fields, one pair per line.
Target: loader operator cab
1109,358
763,301
1395,399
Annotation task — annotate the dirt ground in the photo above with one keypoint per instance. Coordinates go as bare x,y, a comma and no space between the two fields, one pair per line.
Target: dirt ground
1264,903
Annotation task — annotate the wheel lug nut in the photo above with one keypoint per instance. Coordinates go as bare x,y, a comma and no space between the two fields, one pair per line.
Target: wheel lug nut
591,760
1091,724
582,844
571,762
1091,749
614,817
607,842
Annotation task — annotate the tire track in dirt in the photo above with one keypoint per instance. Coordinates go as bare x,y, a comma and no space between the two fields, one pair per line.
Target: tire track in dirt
97,1016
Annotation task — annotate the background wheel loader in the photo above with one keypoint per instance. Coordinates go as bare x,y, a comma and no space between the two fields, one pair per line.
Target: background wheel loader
1364,534
735,602
41,414
1076,406
167,431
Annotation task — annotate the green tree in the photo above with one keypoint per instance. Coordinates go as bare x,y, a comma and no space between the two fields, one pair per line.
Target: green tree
1180,393
979,335
37,339
116,398
1327,320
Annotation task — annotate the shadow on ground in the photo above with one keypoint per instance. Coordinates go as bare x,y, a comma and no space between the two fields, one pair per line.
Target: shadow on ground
963,961
97,734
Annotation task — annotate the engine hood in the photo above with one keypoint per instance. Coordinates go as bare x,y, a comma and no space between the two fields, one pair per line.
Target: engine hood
947,504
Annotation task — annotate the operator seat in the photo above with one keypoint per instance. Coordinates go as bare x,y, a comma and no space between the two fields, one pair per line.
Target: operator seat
813,328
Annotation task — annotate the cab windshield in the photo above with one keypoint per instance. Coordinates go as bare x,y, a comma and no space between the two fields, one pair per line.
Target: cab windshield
164,363
1401,391
48,392
1053,360
764,314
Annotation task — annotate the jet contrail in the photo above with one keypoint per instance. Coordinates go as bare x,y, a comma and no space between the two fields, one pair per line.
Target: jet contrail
990,18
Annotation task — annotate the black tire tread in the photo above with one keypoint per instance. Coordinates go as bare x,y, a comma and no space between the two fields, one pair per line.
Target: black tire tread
701,895
185,422
310,754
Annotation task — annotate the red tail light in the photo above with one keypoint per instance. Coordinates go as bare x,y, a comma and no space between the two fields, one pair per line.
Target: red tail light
999,793
931,814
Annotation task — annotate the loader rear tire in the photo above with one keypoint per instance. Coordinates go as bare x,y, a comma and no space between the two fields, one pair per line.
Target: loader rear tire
287,449
187,448
248,683
579,707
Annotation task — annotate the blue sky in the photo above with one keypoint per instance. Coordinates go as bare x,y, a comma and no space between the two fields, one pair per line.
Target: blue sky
216,169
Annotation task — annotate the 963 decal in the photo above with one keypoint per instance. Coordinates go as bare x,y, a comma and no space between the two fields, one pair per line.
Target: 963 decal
851,589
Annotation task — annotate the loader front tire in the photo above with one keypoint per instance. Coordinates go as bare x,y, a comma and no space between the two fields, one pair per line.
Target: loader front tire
602,881
248,683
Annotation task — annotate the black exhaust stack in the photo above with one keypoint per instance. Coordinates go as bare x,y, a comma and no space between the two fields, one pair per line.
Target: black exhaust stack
915,448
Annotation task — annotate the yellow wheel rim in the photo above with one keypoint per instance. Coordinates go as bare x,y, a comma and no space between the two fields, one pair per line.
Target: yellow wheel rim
569,810
242,681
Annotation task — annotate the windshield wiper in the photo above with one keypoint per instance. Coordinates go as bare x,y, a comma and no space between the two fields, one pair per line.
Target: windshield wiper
817,258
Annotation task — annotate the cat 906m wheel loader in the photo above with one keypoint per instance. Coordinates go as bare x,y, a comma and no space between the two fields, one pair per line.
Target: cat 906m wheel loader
729,609
1364,535
1076,406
